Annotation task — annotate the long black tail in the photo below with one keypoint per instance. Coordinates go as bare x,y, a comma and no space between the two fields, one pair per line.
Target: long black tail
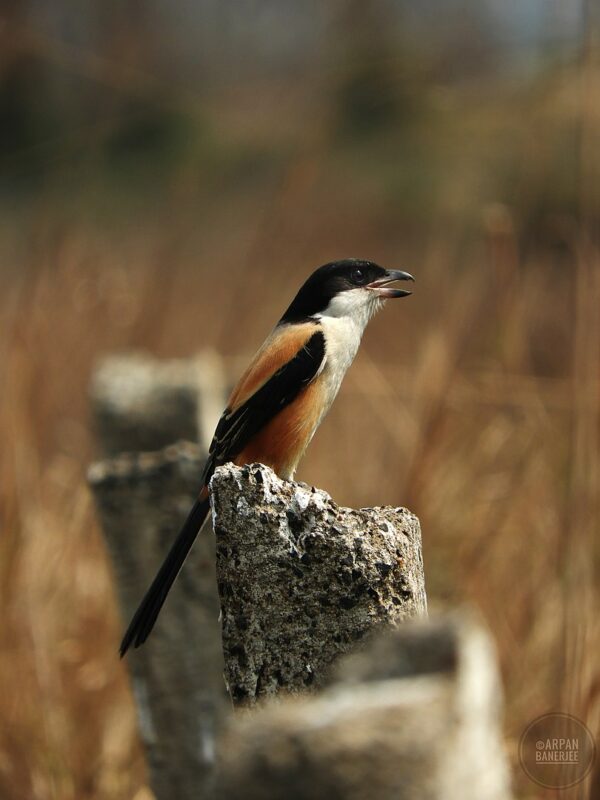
144,618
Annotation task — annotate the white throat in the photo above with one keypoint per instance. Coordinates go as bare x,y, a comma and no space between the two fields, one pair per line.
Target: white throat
355,305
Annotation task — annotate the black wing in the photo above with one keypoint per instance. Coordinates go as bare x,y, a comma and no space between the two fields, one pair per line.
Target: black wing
236,428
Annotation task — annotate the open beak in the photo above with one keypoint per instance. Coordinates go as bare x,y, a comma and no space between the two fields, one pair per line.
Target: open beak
381,285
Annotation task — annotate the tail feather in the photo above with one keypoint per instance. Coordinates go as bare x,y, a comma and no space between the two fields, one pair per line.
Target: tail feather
144,618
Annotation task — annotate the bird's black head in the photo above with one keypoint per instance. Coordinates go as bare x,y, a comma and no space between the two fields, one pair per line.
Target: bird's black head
367,281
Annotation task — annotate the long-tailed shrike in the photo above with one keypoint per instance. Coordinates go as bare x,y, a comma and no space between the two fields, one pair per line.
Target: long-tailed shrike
278,403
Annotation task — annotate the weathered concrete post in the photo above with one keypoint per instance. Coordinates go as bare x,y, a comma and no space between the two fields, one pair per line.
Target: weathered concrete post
142,404
177,677
415,715
302,580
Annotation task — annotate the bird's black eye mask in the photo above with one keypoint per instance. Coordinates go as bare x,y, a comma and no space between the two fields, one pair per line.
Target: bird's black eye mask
361,275
327,282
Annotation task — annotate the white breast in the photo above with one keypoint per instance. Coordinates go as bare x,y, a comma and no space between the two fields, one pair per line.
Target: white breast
343,323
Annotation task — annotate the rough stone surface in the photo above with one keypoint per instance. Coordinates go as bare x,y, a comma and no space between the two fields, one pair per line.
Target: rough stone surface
302,580
414,716
143,404
177,676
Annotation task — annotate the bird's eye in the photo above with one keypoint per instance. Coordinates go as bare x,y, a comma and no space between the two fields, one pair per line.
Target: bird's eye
358,276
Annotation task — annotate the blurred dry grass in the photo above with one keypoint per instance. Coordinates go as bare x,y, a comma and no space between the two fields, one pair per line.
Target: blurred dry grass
475,403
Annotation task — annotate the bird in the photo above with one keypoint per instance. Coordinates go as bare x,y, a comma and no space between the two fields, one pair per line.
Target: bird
280,400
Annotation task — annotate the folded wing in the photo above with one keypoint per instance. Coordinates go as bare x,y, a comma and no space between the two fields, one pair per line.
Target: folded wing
240,423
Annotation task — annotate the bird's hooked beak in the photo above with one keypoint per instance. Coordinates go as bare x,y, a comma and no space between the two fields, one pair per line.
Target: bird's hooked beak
381,288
